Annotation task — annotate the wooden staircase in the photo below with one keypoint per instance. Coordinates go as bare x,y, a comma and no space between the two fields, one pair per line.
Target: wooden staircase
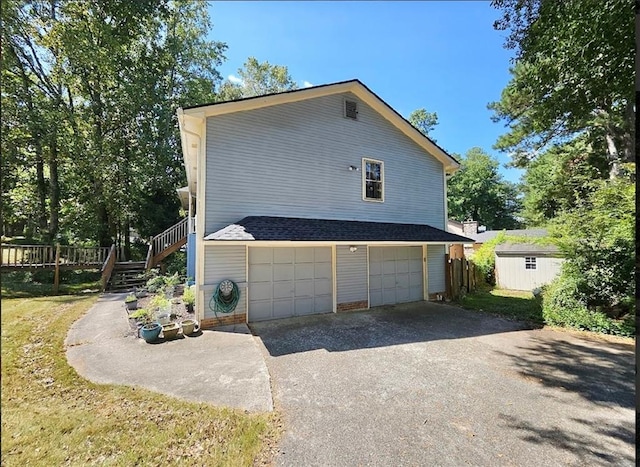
121,276
126,276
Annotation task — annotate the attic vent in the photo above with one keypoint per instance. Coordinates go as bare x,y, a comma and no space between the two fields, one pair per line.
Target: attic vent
351,109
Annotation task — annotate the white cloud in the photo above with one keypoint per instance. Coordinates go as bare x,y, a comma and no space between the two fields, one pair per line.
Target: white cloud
235,80
306,84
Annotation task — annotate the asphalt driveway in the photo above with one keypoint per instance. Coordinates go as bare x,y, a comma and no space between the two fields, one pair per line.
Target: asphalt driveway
427,384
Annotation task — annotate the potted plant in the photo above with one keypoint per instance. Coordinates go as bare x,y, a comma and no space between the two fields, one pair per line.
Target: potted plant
188,326
189,298
148,329
170,331
131,302
170,283
162,307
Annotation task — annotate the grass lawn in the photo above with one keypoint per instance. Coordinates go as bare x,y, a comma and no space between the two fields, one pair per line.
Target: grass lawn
509,303
52,416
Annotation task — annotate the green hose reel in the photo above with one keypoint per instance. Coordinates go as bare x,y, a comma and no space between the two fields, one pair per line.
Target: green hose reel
225,298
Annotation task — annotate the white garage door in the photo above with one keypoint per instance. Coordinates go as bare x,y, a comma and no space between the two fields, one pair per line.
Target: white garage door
285,282
395,275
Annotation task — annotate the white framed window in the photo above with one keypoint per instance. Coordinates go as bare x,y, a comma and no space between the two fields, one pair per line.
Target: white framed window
372,180
530,262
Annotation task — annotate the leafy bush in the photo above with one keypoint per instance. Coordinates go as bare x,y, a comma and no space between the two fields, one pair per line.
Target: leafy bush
485,260
564,305
176,263
189,296
155,284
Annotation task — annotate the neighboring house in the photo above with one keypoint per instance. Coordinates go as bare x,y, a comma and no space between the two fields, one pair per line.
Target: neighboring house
525,266
317,200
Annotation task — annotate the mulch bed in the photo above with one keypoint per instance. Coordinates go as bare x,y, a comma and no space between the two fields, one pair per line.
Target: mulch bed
178,311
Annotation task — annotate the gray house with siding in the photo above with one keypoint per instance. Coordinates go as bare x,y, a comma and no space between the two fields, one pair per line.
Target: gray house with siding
318,200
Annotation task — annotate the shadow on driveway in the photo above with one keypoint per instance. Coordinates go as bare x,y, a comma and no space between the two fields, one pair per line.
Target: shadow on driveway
601,373
379,327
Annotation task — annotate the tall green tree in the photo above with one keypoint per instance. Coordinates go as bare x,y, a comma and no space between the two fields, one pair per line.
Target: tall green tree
424,121
257,78
477,191
93,91
573,73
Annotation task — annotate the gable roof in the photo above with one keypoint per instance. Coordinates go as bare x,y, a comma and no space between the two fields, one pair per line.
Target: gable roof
191,119
269,228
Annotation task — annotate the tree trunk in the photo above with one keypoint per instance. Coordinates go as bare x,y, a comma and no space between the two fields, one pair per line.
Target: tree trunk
54,187
41,188
614,160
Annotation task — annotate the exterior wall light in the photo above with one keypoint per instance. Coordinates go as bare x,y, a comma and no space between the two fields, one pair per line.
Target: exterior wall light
353,249
354,167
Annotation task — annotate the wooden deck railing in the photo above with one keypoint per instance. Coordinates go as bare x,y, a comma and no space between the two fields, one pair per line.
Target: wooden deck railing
43,256
171,236
107,267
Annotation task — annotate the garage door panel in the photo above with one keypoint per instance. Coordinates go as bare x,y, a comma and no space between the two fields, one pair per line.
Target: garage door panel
261,273
283,255
323,304
395,275
322,270
304,255
285,282
415,265
283,272
322,255
260,256
283,289
303,306
323,286
389,267
260,291
282,308
260,310
388,254
304,271
304,288
402,266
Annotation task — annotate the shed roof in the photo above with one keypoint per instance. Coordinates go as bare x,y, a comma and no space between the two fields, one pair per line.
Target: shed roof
518,249
483,237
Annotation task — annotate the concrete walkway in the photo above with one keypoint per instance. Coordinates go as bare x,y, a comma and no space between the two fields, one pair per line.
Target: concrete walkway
223,367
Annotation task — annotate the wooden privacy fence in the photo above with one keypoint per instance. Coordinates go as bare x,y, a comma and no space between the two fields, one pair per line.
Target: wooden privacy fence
461,277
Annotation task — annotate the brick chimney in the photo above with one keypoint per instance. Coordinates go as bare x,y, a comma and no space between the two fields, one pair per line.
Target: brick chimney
470,227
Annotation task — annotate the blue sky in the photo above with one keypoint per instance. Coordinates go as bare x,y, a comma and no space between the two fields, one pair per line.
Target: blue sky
443,56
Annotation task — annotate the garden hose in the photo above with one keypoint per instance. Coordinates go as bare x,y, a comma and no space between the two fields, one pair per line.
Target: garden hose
225,298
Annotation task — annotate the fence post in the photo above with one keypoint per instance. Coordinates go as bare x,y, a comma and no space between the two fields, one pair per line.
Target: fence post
56,275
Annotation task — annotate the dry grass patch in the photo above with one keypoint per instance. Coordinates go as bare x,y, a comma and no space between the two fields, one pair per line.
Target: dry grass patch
52,416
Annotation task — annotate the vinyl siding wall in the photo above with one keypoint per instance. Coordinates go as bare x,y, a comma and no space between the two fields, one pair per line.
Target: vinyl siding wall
352,274
436,268
293,159
511,272
224,262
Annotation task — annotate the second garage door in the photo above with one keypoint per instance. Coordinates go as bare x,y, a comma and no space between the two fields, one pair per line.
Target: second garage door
285,282
395,275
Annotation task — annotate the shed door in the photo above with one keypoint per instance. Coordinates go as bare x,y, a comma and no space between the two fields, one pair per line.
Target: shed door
395,275
285,282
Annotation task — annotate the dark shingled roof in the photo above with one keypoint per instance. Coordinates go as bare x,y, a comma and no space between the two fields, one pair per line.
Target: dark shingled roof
315,230
516,249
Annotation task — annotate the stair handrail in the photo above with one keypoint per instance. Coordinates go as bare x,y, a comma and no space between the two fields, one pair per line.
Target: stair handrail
148,263
170,236
107,267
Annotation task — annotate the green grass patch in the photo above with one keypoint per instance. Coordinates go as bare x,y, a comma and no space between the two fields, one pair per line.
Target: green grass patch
39,283
513,304
52,416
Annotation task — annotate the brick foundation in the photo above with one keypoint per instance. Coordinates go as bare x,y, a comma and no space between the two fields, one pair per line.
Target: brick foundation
351,306
223,320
